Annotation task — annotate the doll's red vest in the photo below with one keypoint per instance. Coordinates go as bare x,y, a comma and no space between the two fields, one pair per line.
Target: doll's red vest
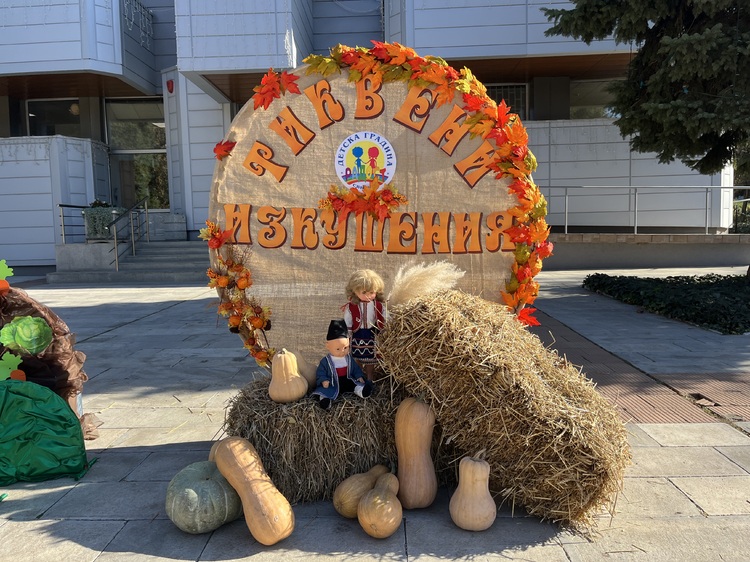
356,313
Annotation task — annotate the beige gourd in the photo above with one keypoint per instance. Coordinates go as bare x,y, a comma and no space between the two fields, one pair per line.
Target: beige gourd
268,514
414,423
472,507
287,385
307,370
347,494
379,512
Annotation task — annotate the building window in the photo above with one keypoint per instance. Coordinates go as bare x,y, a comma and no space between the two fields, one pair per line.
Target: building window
589,99
54,117
138,159
513,94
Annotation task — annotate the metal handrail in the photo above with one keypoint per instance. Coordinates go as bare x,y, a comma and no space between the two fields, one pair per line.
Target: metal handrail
633,192
133,214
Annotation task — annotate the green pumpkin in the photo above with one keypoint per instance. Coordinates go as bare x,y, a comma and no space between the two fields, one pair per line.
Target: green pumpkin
199,499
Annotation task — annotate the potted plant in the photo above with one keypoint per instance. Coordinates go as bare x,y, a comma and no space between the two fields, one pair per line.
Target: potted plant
97,218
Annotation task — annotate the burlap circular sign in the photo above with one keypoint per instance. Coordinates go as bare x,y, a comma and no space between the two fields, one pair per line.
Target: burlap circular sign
367,159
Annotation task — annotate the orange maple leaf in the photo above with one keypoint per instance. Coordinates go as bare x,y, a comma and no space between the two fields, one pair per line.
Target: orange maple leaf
538,231
510,300
518,233
223,149
366,64
289,83
502,114
525,317
472,102
399,54
517,134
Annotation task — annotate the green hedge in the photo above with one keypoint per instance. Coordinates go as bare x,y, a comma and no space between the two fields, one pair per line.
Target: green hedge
715,302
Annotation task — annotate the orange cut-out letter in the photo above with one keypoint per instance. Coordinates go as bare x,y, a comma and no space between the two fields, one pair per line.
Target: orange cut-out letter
369,234
468,229
415,110
436,233
291,130
495,240
475,166
369,102
238,220
402,233
328,108
274,234
304,236
258,161
450,131
335,229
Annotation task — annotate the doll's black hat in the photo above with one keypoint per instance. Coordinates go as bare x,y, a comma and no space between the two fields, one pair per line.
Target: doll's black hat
337,329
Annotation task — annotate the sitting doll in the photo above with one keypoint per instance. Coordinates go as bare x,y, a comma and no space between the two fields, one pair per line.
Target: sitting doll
337,371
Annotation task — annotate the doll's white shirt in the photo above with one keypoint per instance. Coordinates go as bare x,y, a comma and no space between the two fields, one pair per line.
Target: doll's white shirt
338,362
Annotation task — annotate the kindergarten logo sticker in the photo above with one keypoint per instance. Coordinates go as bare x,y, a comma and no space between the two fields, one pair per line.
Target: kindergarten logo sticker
365,156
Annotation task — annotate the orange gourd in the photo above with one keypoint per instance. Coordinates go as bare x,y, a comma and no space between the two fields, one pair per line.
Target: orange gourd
287,385
268,514
379,512
414,423
472,507
307,370
347,494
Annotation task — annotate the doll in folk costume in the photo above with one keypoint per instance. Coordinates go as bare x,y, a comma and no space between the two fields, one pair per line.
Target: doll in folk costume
337,372
365,315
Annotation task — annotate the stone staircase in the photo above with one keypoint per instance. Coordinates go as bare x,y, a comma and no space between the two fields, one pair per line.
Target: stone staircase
155,263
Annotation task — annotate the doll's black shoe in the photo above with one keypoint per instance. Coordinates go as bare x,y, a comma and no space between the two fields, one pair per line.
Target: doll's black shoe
325,403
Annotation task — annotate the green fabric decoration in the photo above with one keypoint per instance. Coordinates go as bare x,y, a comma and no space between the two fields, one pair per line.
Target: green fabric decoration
8,364
40,436
5,271
27,334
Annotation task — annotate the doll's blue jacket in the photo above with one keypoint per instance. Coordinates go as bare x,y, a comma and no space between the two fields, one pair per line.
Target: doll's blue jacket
327,372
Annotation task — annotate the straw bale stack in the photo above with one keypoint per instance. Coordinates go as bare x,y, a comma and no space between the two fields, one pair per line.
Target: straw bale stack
554,444
308,451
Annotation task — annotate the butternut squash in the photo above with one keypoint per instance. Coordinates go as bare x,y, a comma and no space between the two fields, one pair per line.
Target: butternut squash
347,494
414,423
268,514
379,512
472,507
287,385
306,369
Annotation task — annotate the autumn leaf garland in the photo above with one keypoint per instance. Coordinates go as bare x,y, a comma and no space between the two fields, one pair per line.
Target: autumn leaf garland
387,62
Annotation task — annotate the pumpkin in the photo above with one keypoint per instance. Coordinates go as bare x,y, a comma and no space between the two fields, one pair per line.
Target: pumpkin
379,512
287,385
268,514
199,499
307,370
347,494
414,423
472,507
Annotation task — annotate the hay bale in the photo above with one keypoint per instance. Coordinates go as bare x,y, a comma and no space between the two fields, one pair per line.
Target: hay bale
554,444
308,451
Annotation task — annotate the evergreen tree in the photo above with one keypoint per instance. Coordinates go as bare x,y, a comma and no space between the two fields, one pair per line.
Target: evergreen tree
687,93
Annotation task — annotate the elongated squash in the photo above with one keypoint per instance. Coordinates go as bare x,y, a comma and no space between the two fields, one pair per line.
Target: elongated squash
347,494
287,385
414,423
379,512
268,514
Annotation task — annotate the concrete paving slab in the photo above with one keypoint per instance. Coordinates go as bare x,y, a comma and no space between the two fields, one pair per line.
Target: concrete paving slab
115,417
637,437
111,500
739,455
687,539
57,541
681,461
727,495
29,500
696,435
653,497
153,540
157,436
162,466
113,466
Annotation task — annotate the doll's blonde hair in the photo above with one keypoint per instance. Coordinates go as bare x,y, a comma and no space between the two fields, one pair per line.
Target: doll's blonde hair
365,280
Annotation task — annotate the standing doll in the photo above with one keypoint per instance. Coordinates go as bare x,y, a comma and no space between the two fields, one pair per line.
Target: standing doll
365,315
337,371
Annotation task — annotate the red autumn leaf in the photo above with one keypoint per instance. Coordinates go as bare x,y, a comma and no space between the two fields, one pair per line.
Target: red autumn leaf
269,89
525,317
380,50
502,114
518,234
544,249
289,83
518,187
523,273
472,102
219,239
223,149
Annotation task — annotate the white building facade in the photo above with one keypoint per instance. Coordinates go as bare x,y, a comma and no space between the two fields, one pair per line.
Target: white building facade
123,101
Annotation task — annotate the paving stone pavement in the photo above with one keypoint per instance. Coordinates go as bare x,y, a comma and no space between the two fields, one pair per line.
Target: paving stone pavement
162,369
